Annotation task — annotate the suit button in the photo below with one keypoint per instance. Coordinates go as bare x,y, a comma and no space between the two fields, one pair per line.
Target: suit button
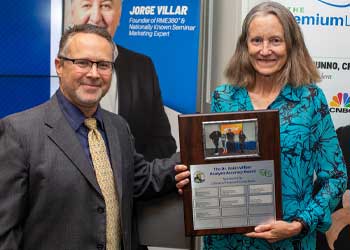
100,246
100,210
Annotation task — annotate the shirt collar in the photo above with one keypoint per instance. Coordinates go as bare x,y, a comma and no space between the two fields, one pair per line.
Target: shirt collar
115,52
288,92
74,116
291,93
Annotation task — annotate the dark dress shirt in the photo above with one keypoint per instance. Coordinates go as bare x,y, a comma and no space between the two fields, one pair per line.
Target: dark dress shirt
76,119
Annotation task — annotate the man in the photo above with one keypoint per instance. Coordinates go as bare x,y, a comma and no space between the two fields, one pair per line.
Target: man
215,136
241,138
343,134
65,183
230,144
337,237
135,93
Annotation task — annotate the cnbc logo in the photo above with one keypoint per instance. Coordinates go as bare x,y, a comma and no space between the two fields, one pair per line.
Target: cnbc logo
340,103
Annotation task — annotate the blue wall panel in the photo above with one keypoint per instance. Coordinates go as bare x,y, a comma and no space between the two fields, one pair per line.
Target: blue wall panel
20,93
25,37
24,54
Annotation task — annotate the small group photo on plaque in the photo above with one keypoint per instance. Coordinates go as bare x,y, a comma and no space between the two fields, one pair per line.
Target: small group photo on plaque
230,139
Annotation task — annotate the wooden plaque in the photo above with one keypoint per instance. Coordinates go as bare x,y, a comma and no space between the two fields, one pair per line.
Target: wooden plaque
234,159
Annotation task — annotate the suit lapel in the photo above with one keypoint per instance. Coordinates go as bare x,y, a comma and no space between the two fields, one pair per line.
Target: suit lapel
114,150
65,139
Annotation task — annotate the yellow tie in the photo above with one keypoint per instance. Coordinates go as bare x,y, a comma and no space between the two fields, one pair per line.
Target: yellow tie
104,175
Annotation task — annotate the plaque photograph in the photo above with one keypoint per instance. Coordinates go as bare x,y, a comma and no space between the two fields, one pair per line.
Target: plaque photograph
234,160
230,139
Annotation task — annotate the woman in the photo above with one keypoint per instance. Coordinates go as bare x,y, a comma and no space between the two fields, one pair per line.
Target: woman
272,69
224,143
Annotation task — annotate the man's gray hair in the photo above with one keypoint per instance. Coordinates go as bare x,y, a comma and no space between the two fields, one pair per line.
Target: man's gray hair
87,29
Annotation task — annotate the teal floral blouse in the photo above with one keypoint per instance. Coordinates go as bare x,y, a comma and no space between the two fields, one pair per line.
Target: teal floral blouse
308,144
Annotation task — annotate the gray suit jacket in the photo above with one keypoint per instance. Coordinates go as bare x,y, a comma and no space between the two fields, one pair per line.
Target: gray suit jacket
49,196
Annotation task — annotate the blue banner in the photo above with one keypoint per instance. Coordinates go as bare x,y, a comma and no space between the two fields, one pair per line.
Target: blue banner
168,32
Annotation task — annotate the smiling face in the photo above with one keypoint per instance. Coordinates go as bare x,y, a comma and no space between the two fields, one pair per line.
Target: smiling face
266,45
84,89
103,13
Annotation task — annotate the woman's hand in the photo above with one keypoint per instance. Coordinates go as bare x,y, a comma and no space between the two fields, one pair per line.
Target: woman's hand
276,231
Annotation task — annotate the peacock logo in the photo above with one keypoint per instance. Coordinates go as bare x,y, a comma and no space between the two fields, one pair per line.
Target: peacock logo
339,98
340,103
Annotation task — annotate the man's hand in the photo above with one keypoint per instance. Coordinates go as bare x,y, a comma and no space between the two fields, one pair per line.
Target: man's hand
182,177
340,219
276,231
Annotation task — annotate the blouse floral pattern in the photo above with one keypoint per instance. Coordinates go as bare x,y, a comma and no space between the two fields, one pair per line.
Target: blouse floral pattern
308,145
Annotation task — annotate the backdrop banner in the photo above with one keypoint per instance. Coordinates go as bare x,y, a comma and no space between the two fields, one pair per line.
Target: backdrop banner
326,28
168,32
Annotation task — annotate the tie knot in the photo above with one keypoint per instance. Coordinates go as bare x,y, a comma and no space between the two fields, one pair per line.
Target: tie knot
90,123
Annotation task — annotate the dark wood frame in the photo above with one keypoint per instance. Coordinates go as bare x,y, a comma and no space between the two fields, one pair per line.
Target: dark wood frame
192,152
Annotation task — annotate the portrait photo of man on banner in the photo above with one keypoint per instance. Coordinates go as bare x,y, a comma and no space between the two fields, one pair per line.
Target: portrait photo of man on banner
135,76
142,26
